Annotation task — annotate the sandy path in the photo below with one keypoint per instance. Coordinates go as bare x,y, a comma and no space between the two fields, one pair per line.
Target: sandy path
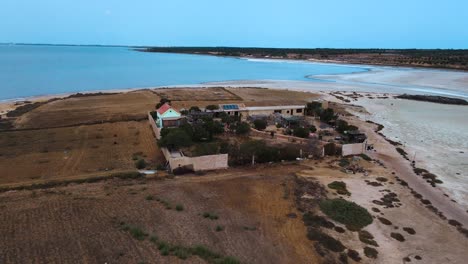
393,160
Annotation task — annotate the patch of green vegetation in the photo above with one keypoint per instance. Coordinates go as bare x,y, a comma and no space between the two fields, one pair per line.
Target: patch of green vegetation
166,249
149,197
250,228
344,162
365,157
211,216
340,187
370,252
140,164
179,207
219,228
136,232
325,240
345,212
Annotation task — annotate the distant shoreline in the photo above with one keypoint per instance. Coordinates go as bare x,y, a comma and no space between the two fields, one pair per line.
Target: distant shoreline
374,57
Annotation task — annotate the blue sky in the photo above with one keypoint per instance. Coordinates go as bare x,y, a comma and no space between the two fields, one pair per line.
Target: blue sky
259,23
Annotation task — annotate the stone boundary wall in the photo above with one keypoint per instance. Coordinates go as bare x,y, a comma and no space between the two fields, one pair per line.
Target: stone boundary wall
353,149
156,129
267,135
201,163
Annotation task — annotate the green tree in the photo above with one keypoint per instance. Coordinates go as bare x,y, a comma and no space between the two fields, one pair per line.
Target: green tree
260,124
341,126
176,138
162,101
212,107
301,132
213,127
313,129
327,115
242,128
194,109
200,133
313,108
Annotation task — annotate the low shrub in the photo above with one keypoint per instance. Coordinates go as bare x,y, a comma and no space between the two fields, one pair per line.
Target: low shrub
365,157
354,255
345,212
382,179
219,228
316,220
136,232
260,124
179,207
370,252
149,197
344,163
409,230
325,240
339,229
368,238
397,236
211,216
140,164
340,187
384,221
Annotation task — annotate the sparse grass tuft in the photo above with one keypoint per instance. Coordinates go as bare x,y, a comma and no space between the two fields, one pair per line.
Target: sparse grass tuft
211,216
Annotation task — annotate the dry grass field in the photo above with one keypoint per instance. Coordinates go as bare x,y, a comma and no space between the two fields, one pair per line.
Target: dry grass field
264,97
90,109
59,153
197,94
83,223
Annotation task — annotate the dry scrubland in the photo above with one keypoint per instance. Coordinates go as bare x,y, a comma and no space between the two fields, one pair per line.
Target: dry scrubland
83,223
87,150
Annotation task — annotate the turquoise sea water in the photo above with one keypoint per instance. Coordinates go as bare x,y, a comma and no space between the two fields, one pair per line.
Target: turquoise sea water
41,70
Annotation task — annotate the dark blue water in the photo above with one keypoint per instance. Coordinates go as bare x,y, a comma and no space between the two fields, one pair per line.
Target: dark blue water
40,70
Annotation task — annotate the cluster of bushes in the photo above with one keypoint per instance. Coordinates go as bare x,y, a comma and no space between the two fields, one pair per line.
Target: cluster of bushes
343,126
315,108
325,240
242,154
186,134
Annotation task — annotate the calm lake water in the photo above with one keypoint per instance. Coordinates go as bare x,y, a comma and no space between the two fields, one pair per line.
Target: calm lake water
40,70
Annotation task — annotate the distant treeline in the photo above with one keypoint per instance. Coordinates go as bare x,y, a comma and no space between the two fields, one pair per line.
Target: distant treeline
438,58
